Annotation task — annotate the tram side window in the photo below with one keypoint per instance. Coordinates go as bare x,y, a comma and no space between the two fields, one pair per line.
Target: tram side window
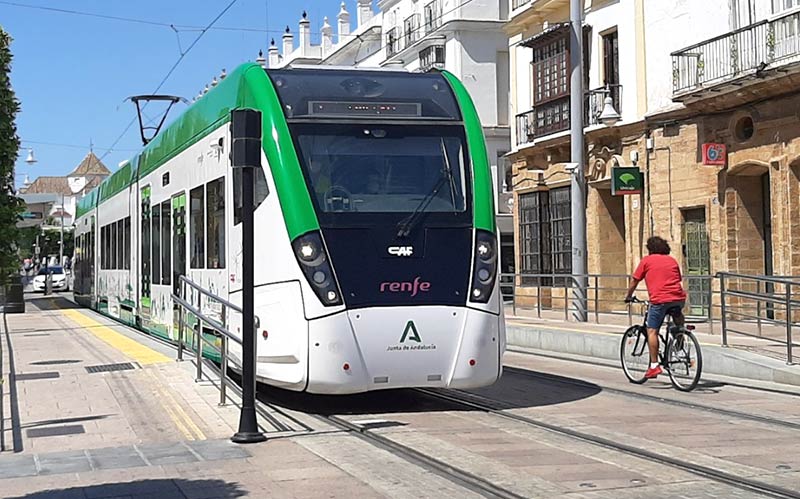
156,239
120,224
215,216
127,243
197,227
104,249
166,247
90,260
114,244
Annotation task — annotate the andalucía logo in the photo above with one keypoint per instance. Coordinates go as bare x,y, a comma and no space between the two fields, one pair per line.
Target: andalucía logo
410,333
410,327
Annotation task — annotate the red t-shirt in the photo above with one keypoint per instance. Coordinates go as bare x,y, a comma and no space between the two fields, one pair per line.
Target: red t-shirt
662,275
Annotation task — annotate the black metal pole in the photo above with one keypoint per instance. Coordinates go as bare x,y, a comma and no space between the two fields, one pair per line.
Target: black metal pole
248,427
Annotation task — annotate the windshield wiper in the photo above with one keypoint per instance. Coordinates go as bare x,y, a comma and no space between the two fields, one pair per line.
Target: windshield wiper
405,225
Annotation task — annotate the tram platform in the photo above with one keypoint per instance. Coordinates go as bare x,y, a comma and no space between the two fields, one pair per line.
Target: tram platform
749,358
95,409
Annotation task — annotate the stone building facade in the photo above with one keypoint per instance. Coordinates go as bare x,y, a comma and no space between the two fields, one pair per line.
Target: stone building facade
731,81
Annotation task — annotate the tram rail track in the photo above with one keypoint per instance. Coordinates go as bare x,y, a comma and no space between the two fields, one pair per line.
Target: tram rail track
451,473
652,398
487,405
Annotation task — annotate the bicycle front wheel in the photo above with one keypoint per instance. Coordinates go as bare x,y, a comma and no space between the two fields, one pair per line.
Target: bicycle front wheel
634,355
685,361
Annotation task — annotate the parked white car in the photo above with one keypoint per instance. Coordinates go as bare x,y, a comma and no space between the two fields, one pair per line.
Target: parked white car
59,276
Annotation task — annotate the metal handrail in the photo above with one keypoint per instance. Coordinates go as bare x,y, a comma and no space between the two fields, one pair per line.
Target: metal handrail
203,319
770,298
763,278
743,29
186,280
207,320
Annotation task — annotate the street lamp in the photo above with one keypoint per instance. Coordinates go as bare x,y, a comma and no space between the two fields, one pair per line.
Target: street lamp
609,116
30,159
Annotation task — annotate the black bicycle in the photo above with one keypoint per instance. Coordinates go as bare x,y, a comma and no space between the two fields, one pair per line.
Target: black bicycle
678,352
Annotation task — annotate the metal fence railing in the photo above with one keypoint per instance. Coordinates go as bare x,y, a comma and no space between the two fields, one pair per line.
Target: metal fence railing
190,300
749,49
605,294
763,307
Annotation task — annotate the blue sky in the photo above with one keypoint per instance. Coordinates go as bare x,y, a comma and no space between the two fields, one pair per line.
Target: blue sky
71,73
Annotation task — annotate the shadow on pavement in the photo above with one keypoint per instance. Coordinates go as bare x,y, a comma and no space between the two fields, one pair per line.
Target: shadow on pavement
49,422
50,302
514,392
162,488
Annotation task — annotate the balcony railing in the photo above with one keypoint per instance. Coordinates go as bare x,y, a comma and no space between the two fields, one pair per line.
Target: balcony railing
411,29
747,50
433,16
431,57
554,116
392,42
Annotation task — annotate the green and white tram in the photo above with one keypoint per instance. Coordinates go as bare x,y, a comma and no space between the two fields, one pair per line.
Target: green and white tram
376,247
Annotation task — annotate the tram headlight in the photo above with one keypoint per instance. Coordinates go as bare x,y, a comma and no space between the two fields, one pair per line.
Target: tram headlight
313,259
484,266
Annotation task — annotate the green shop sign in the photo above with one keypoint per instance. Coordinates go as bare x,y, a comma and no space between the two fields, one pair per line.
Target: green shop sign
626,180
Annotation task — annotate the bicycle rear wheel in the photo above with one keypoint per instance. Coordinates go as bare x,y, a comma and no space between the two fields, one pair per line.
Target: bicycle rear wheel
634,355
685,361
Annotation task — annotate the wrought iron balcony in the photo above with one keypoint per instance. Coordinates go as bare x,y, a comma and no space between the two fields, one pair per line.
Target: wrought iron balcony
412,30
433,16
431,57
749,50
393,40
553,117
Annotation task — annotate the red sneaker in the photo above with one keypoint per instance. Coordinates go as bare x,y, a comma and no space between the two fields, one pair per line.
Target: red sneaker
653,372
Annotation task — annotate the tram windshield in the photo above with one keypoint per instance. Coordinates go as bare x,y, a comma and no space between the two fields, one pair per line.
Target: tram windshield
384,168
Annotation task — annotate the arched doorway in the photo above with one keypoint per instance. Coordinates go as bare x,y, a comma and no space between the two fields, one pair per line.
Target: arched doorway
748,212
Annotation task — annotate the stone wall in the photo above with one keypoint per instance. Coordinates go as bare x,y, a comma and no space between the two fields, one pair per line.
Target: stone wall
676,181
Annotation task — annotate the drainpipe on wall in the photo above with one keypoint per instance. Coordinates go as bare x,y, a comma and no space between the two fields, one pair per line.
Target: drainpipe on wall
649,146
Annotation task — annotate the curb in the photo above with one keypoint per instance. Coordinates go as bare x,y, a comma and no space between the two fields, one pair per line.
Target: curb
716,359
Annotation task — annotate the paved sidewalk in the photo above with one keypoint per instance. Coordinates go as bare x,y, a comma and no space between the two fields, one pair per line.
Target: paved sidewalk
746,358
108,412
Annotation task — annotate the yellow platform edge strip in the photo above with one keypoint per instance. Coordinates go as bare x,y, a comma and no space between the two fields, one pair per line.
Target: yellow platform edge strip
136,351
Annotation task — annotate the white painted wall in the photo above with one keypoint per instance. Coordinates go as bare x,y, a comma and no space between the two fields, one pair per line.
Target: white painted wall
478,69
617,15
671,26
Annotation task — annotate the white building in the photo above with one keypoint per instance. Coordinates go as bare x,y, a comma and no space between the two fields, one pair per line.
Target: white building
49,192
464,37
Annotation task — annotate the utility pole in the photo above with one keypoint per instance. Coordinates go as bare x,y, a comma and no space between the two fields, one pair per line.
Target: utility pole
578,178
61,250
246,156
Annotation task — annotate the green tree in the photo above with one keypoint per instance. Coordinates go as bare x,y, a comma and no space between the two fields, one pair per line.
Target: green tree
11,207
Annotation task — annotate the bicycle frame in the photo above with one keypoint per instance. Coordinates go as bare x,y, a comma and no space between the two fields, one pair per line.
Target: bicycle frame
663,338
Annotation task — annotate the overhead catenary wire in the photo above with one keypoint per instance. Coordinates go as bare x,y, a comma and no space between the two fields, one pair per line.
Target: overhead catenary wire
171,26
169,73
73,146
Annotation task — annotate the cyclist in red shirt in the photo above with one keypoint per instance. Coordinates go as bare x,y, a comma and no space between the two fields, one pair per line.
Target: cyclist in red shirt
662,275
